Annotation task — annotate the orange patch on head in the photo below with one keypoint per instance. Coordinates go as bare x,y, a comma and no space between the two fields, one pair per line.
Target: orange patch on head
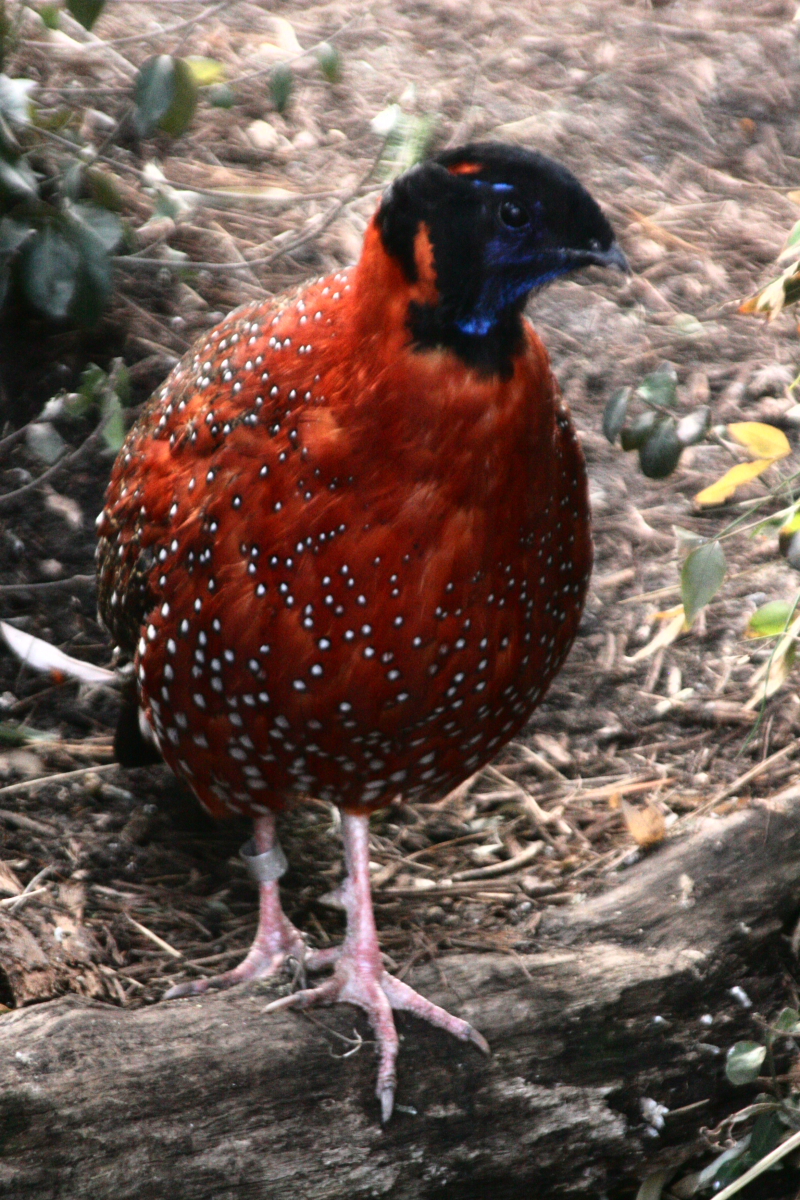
465,168
425,290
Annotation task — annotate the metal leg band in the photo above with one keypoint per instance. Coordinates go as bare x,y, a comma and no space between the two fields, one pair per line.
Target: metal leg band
266,867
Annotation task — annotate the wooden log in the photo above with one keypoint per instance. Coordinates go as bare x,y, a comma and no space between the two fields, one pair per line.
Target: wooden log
207,1098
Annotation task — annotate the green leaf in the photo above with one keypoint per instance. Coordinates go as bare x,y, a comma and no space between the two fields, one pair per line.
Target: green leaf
407,137
95,279
72,180
791,289
791,245
636,434
615,412
653,1186
694,426
104,189
788,525
22,735
205,71
17,181
92,383
281,82
10,148
13,235
660,388
688,325
792,551
86,11
771,619
101,223
114,428
166,96
178,117
44,440
220,95
330,62
720,1166
120,381
701,577
787,1019
768,1132
51,266
57,120
50,14
687,539
743,1063
660,453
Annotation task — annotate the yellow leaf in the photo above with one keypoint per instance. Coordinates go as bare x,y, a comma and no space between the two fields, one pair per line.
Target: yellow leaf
763,441
669,614
768,300
205,71
724,488
771,299
285,37
646,826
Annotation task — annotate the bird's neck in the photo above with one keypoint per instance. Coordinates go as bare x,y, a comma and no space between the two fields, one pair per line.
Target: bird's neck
388,303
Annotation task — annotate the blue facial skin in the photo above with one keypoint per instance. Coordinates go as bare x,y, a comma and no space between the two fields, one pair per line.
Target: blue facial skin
513,268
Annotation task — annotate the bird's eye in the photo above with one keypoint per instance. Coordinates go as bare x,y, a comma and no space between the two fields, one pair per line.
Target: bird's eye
594,245
512,215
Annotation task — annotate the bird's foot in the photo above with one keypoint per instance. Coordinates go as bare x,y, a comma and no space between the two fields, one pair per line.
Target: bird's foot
276,938
362,982
266,957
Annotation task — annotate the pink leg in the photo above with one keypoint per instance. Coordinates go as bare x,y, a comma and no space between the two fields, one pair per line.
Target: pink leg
359,977
276,938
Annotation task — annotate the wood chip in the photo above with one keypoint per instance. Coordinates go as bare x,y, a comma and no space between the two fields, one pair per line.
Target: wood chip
19,821
158,941
502,868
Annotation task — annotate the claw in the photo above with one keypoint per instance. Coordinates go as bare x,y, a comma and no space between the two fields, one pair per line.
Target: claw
386,1097
480,1041
195,987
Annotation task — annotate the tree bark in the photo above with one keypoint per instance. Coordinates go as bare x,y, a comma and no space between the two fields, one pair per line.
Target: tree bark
206,1098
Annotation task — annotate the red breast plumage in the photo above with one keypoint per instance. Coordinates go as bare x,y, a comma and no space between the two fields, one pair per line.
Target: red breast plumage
365,566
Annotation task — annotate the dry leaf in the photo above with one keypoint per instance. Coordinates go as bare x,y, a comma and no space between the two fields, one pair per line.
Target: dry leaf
41,656
774,673
763,441
771,299
646,826
722,489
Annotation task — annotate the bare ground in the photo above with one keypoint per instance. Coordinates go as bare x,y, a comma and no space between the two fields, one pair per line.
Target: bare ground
682,120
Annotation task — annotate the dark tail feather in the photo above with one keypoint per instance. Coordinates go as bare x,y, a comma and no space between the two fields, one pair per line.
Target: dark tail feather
131,747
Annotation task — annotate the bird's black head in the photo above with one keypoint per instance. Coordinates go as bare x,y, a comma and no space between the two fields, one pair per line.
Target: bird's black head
497,222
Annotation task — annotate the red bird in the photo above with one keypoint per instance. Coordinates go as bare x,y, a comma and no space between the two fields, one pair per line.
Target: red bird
347,543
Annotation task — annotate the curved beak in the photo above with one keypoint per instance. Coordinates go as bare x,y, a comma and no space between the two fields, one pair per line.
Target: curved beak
613,257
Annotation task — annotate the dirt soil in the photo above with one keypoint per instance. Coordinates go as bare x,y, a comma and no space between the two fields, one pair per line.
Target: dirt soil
682,119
